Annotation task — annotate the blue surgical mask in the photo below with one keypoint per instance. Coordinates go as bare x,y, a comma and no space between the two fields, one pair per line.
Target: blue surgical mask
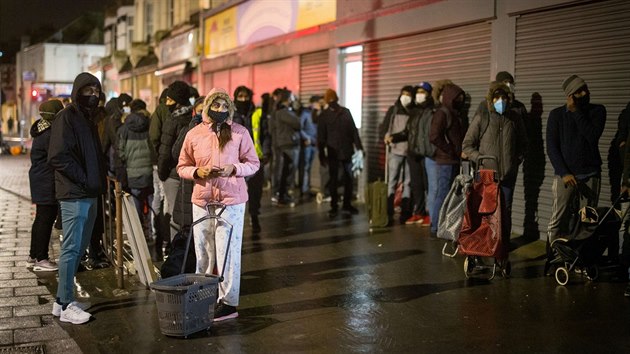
500,105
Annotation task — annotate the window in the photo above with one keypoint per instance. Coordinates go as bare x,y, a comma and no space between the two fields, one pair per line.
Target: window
148,23
351,62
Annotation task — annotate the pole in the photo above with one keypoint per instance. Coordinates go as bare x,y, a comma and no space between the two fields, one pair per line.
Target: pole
119,238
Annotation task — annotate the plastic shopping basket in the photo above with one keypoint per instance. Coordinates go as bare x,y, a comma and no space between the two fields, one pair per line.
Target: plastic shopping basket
185,302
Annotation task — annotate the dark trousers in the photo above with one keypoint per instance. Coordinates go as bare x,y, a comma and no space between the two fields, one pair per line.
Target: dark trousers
290,158
255,185
334,164
419,184
45,216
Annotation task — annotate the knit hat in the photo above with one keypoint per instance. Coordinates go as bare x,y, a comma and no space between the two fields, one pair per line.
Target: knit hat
425,86
179,92
330,96
504,76
572,84
49,109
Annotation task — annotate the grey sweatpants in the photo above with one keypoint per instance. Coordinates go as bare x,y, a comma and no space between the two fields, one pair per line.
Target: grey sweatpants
563,198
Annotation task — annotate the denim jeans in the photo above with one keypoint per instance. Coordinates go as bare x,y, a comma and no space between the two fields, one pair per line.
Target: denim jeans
77,217
445,176
309,156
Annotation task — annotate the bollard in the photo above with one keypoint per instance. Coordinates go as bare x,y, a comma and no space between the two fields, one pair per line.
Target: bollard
119,238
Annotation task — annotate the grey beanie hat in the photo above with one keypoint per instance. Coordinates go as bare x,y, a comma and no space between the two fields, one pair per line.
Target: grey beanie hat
572,84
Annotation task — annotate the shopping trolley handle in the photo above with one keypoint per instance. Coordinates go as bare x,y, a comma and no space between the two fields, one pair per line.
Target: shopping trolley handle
214,205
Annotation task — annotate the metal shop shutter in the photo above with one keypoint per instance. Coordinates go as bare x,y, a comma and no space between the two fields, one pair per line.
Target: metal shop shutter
313,75
461,54
590,40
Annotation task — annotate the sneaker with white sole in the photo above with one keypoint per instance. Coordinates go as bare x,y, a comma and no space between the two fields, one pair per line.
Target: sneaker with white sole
30,262
224,312
73,314
45,265
56,311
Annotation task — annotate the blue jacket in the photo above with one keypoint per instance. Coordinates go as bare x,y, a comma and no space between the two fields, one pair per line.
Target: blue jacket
573,138
309,129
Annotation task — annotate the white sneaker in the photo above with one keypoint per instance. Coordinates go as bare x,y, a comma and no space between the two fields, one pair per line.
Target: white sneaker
45,265
56,311
74,315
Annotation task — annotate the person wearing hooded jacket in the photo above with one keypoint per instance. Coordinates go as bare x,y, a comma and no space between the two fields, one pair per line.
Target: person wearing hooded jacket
446,134
136,155
218,154
251,117
395,122
75,153
498,131
42,183
180,108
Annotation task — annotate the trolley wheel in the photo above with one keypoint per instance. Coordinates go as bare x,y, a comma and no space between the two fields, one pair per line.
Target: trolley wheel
592,272
469,266
562,275
319,198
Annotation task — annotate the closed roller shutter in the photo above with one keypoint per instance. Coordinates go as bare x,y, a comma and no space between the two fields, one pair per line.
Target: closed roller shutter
461,54
592,41
313,75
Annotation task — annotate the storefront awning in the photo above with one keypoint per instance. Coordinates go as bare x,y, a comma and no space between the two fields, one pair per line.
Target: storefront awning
176,69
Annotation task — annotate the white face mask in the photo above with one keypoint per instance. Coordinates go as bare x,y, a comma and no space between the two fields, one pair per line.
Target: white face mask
405,100
127,109
421,97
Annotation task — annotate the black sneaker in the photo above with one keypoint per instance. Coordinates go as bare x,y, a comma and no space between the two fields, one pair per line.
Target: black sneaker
255,224
224,312
350,210
627,292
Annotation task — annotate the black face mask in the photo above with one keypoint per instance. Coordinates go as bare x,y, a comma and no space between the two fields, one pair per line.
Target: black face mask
89,102
218,117
583,101
171,108
242,106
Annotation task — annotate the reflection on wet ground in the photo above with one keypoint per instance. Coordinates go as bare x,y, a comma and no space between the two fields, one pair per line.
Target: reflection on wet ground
312,284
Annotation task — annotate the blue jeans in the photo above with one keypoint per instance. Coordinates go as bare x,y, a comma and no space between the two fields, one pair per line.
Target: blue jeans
431,168
309,155
77,217
445,176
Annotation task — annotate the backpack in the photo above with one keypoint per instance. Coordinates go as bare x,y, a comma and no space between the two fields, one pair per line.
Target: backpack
173,264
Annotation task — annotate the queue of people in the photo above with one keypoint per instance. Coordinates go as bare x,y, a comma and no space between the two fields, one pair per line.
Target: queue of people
194,150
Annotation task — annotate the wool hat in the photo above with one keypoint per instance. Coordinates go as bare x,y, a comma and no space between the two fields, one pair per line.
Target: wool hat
572,84
504,76
179,92
49,109
425,86
330,96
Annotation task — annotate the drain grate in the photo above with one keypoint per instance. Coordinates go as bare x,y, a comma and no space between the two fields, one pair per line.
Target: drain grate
27,349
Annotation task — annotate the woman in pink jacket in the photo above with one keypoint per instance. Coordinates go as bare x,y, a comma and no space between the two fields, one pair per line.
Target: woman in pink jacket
217,155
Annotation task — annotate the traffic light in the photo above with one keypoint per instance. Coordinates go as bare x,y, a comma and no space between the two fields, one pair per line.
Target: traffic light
34,93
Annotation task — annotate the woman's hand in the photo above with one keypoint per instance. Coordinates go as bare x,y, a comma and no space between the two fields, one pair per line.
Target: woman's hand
208,172
227,171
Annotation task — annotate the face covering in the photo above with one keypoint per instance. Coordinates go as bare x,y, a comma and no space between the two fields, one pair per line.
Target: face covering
405,100
583,101
127,109
89,102
218,117
172,107
241,106
499,106
421,98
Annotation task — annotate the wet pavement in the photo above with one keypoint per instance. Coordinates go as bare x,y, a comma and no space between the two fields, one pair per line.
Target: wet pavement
315,285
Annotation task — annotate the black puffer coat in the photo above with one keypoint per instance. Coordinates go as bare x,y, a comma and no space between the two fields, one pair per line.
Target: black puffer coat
75,150
179,119
41,176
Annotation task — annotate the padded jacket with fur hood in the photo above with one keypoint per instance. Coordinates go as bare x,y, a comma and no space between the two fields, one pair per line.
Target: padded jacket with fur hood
447,131
500,135
201,148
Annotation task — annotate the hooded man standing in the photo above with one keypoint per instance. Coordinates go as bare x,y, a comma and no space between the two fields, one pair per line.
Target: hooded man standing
75,155
573,132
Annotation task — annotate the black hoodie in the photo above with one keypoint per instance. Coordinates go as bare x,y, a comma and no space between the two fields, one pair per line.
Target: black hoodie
75,150
41,175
